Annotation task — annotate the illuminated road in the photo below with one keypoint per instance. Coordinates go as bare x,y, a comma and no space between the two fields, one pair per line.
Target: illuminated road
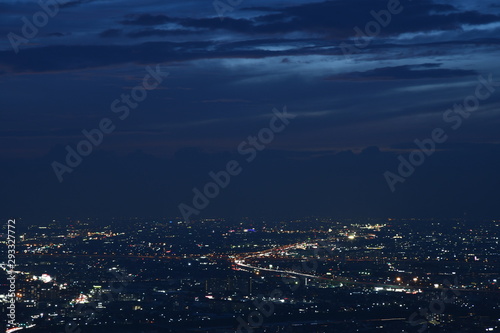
240,262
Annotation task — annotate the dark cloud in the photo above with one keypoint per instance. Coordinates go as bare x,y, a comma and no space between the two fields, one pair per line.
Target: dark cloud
337,19
58,58
145,20
158,32
331,22
230,24
74,3
406,72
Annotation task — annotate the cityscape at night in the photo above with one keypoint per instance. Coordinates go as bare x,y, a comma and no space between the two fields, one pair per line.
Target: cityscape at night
237,166
256,275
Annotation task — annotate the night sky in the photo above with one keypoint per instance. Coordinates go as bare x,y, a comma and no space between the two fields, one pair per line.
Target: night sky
228,68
